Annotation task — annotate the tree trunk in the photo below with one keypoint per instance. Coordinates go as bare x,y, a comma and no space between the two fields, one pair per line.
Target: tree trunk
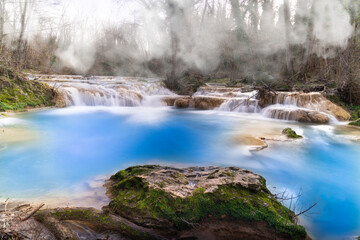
236,13
287,22
2,16
20,45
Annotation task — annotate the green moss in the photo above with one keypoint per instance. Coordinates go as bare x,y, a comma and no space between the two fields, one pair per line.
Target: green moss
83,215
355,123
219,80
134,198
99,219
17,93
290,133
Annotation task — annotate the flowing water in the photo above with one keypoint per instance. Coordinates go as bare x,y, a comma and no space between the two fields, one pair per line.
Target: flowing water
63,156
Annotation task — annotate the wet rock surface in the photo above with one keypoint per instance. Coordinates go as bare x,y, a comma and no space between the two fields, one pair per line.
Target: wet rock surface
183,182
312,101
155,202
310,107
201,103
300,115
226,203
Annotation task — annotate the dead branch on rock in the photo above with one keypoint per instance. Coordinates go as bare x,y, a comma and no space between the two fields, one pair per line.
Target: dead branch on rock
305,211
32,213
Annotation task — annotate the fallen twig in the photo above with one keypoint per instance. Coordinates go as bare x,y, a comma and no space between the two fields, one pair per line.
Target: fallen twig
32,213
308,209
243,102
20,207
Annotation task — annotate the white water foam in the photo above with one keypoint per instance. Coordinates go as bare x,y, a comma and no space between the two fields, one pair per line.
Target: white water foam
9,121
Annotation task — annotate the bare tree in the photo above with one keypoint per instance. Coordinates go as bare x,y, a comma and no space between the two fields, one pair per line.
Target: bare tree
2,22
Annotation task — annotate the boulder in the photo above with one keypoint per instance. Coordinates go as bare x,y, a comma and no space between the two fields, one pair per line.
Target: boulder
155,202
266,98
59,99
200,203
312,101
182,102
300,115
207,103
337,111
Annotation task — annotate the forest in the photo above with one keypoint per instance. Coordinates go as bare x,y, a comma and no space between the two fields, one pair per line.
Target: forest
286,44
179,119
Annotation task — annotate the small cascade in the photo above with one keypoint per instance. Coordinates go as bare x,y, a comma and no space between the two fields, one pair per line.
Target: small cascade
240,105
107,91
235,100
293,113
98,96
293,106
132,92
314,101
313,107
221,92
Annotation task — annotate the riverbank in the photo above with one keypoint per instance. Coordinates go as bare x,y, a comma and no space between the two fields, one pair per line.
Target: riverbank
154,202
18,93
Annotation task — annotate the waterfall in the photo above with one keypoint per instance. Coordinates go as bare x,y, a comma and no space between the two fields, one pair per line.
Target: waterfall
235,100
293,106
99,96
240,104
107,91
147,92
313,107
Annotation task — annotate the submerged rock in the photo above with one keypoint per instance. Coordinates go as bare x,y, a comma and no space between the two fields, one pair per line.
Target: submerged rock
221,203
254,144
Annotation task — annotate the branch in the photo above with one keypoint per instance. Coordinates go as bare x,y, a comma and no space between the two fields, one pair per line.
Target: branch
32,213
306,210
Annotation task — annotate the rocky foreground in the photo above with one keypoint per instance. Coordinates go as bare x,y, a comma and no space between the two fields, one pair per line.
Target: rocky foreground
154,202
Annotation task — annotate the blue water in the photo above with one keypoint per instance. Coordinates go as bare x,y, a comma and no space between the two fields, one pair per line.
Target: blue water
74,146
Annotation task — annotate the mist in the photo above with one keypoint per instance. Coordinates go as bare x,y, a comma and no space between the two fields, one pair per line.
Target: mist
121,37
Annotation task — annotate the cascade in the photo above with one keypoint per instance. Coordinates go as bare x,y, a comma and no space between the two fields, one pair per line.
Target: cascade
295,106
132,92
235,100
107,91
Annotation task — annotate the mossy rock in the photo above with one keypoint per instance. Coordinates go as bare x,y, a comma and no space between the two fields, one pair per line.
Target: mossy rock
291,133
18,93
355,123
141,197
96,220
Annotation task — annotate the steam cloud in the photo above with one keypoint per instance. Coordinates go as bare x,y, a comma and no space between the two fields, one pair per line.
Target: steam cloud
202,32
